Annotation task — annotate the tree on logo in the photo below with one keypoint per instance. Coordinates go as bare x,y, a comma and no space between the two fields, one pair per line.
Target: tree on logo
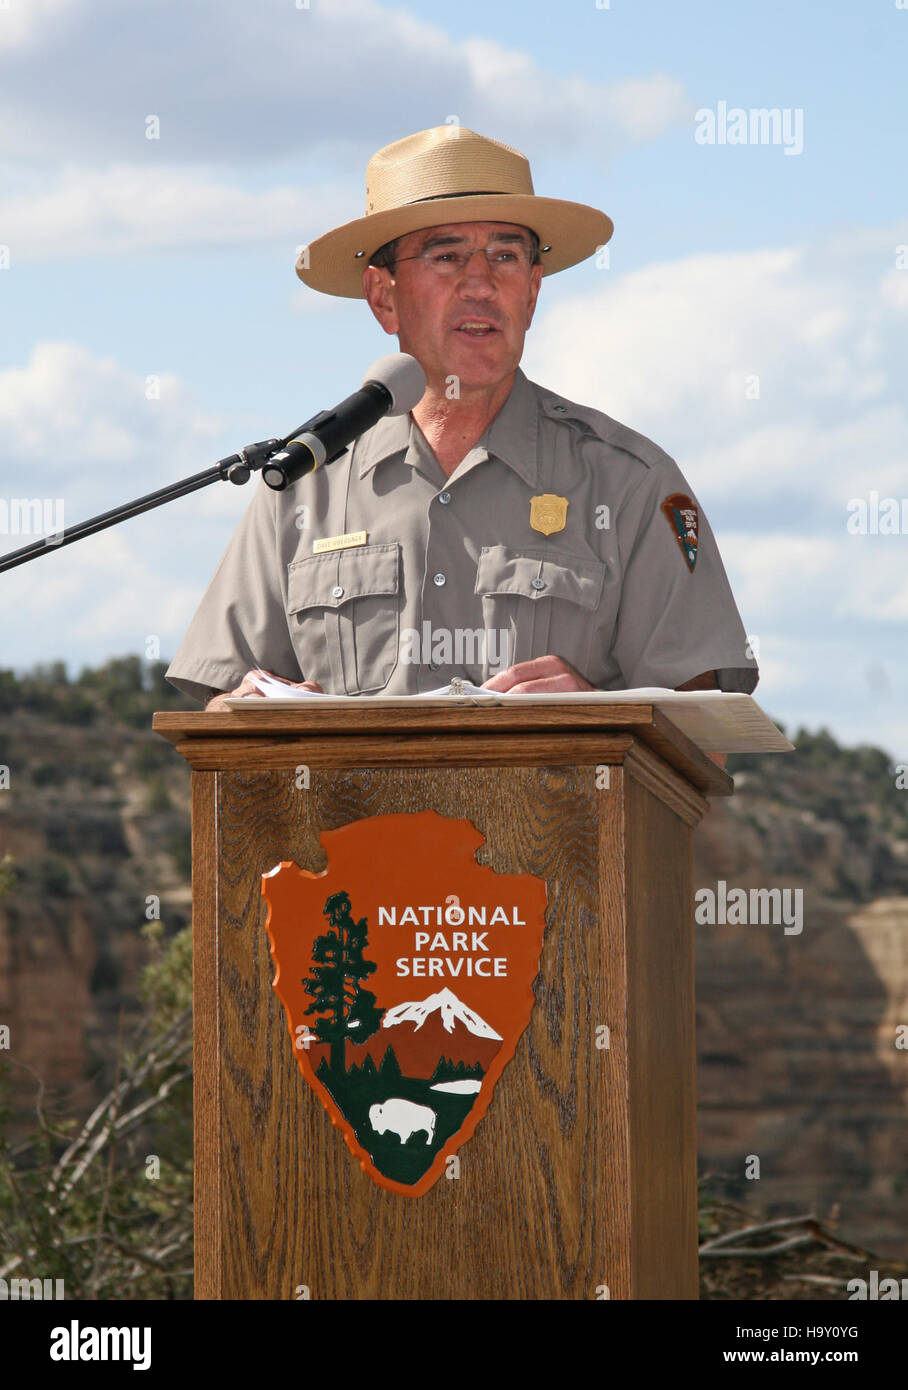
347,1010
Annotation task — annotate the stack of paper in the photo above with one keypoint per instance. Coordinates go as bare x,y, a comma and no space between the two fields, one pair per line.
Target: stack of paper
716,720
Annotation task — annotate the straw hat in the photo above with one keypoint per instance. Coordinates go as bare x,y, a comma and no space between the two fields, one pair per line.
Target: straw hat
448,174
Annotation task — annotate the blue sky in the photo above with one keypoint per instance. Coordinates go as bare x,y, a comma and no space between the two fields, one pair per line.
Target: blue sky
131,258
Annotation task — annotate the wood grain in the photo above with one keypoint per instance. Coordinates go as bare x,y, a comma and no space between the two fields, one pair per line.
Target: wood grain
661,1076
266,724
583,1172
663,781
273,717
526,1217
480,750
206,1037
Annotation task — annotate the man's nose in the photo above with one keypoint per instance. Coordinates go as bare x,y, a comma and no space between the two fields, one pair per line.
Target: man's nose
484,274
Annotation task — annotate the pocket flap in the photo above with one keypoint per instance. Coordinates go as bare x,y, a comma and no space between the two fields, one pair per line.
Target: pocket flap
333,579
538,573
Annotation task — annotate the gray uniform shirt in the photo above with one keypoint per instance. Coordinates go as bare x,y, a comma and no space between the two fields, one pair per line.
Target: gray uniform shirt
469,574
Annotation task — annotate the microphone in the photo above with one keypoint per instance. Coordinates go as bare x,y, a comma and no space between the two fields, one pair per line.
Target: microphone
392,386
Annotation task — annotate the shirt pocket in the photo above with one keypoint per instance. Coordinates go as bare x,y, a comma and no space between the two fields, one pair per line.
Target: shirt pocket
343,612
543,599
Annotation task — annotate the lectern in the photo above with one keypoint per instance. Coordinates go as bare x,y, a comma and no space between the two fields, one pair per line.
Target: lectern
444,1004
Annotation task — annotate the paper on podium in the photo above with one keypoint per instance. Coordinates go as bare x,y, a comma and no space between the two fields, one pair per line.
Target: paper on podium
717,721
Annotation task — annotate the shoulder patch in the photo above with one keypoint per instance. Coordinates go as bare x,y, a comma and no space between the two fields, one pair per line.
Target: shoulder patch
681,513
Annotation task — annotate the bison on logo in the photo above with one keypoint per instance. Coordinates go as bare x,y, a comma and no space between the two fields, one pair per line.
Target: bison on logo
405,970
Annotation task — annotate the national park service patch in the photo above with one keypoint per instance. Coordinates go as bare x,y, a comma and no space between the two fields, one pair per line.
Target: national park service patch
406,973
682,516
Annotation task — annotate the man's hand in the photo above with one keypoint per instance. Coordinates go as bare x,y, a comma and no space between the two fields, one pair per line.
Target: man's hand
544,675
246,687
552,673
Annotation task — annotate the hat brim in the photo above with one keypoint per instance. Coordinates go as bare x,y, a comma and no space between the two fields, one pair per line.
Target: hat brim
335,262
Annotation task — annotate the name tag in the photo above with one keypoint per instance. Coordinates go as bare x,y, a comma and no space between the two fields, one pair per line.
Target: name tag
339,542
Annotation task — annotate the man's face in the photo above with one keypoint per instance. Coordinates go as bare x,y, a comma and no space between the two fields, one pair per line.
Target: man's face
470,324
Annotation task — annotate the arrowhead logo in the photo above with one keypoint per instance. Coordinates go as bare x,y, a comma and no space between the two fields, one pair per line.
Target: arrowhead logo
681,513
405,970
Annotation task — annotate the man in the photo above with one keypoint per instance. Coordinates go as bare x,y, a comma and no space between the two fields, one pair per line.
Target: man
498,532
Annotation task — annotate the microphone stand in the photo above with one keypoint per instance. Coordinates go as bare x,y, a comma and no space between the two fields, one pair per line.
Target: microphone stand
236,468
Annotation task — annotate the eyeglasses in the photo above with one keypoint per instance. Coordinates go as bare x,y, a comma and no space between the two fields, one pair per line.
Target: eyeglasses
503,260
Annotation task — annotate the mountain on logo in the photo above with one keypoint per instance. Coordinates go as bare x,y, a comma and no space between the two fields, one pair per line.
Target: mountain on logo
422,1031
453,1010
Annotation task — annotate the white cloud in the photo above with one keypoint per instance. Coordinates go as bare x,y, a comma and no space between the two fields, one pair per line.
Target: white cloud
128,209
68,417
820,579
280,90
78,426
894,288
643,107
230,80
305,303
79,433
803,465
771,377
21,21
504,83
104,595
875,583
652,337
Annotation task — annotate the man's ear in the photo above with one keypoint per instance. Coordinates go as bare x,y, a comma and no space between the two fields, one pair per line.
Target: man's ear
378,287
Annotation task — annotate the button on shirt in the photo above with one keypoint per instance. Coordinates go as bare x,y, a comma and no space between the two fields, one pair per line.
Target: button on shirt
452,578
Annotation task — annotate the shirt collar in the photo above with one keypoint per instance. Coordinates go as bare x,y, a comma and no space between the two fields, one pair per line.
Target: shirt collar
511,436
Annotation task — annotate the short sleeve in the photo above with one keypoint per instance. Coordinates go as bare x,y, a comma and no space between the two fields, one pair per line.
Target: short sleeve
675,619
241,621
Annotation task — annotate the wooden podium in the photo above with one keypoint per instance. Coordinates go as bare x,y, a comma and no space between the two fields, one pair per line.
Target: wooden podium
580,1181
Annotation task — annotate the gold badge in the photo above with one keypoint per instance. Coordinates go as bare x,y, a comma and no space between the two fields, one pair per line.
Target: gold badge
548,513
344,542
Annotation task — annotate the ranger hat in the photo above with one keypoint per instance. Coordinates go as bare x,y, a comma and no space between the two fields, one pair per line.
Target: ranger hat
448,174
